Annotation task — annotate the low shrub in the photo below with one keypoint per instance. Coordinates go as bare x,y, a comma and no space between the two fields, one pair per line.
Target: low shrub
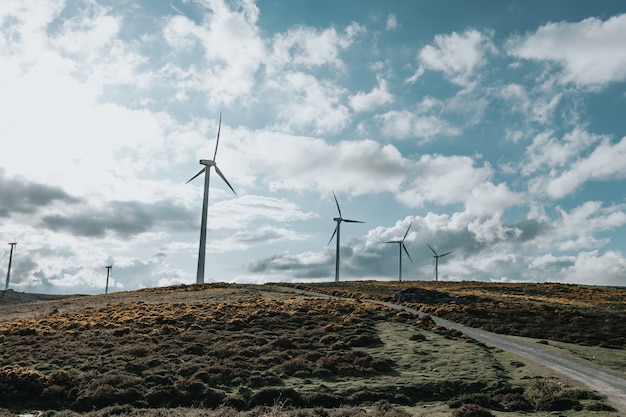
472,410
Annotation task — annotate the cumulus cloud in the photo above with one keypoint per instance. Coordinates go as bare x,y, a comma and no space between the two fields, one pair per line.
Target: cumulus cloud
458,56
443,180
311,104
298,163
230,43
590,52
379,96
308,47
548,152
406,124
604,162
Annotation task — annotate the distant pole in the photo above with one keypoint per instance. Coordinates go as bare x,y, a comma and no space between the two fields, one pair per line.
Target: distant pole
6,287
106,289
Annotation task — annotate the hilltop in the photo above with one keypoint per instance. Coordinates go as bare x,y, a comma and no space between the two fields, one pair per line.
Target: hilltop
251,350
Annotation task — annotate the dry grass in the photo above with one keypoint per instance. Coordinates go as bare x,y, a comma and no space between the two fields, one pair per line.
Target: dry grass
561,312
230,350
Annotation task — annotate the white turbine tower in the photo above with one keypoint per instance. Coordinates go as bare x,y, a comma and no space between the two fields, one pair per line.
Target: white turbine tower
108,267
205,202
6,286
338,231
400,247
437,256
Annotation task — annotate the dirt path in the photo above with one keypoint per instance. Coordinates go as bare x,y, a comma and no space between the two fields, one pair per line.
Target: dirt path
607,384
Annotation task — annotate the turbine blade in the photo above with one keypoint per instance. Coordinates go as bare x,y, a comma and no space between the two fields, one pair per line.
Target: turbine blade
224,178
407,252
432,249
392,241
407,231
331,238
219,127
196,176
447,253
337,202
352,221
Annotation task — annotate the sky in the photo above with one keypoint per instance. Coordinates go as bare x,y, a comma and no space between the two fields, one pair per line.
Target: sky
495,129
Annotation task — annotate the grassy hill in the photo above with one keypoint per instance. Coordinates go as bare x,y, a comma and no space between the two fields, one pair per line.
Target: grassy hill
246,350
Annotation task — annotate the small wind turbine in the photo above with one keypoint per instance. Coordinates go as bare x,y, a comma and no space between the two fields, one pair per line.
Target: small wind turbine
437,256
6,286
108,267
400,247
337,231
208,163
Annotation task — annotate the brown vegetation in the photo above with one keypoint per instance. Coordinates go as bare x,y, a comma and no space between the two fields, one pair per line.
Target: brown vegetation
232,348
562,312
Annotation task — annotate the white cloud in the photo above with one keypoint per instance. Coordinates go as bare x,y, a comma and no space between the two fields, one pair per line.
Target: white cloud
230,43
487,198
305,47
392,22
591,51
539,108
379,96
285,162
457,56
548,152
605,162
310,104
443,180
577,228
406,124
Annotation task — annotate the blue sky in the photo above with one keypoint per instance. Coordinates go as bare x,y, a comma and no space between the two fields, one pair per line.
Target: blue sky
495,129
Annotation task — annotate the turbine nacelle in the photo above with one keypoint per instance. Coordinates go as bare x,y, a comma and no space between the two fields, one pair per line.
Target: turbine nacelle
207,162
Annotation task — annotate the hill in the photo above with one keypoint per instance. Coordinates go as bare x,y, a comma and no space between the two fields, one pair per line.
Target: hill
253,350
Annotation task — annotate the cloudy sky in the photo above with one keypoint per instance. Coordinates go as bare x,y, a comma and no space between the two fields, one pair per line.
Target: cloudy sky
495,128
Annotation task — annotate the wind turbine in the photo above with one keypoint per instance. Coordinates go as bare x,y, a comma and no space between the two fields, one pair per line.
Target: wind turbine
400,247
108,267
337,231
437,256
208,163
6,286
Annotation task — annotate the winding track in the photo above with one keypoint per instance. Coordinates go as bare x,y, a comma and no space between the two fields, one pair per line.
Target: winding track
608,385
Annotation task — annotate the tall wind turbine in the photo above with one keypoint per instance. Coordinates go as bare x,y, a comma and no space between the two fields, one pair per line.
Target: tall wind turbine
400,247
6,286
108,267
437,256
338,231
208,163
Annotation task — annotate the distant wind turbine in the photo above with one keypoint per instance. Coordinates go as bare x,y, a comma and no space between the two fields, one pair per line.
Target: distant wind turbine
6,286
338,231
108,267
205,202
400,247
437,256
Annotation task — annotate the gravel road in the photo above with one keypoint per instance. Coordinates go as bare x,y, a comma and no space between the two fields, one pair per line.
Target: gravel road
608,385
